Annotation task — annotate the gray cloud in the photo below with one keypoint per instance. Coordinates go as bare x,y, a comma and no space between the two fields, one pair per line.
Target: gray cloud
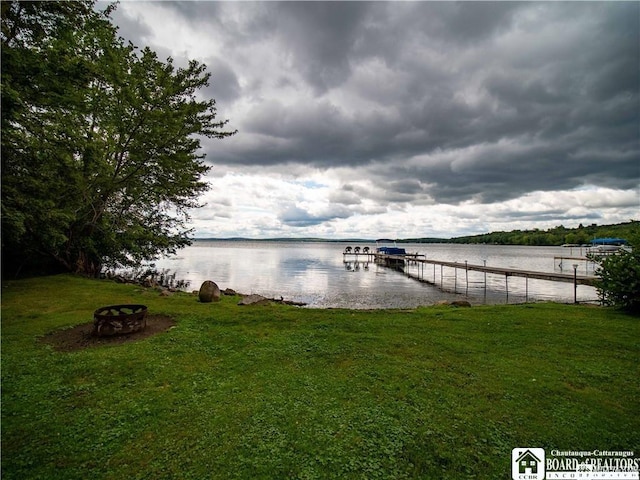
431,101
224,85
345,197
295,216
552,215
320,36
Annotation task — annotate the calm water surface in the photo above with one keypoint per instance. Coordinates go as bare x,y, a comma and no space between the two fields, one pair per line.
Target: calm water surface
317,274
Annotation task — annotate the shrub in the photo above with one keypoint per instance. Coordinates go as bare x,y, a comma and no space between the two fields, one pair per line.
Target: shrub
619,282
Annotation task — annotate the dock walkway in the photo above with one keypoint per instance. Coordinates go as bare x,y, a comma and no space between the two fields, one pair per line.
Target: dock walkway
509,272
400,261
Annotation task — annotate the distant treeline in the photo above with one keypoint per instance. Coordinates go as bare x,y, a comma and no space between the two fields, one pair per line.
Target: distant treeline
553,236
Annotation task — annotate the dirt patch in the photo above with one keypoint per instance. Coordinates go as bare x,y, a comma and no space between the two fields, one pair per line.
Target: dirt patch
79,337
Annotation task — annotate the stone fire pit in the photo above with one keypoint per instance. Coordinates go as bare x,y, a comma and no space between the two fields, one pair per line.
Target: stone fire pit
119,320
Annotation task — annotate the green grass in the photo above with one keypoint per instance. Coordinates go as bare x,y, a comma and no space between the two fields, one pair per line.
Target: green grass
282,392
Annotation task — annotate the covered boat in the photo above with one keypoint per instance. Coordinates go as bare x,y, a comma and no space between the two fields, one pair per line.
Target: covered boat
389,247
607,245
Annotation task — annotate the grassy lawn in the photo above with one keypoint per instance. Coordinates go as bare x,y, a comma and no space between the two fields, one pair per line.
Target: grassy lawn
282,392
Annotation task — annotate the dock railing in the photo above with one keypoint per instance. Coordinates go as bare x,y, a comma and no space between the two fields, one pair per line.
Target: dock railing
417,259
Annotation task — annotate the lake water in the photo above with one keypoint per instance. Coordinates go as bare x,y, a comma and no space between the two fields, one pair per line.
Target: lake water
317,273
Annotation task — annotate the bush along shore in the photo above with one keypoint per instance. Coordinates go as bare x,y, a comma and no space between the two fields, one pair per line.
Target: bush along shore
274,391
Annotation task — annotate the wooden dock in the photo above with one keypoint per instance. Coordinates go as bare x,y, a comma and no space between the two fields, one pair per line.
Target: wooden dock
396,261
509,272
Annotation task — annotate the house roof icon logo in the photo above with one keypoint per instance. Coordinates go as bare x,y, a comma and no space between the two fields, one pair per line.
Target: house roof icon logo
527,463
528,460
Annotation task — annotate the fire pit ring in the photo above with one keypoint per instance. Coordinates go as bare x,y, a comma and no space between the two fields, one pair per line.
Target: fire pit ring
119,320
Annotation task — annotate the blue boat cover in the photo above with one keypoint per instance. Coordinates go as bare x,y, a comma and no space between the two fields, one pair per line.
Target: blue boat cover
392,250
608,241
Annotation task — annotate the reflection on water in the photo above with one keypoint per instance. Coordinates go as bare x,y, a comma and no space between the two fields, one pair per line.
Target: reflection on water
318,274
355,265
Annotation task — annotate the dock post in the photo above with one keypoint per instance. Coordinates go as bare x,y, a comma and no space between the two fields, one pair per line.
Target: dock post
575,283
466,273
485,280
506,285
455,279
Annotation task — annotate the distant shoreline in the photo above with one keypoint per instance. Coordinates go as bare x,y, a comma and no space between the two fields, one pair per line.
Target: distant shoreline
284,240
318,240
552,237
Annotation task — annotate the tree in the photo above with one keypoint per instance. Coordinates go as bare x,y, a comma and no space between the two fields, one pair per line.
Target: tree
619,278
100,144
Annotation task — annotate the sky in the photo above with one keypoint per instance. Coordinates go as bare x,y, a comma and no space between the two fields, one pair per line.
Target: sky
409,119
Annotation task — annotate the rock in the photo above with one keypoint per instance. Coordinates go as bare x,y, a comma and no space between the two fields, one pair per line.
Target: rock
209,292
254,300
460,303
443,302
229,291
291,302
166,293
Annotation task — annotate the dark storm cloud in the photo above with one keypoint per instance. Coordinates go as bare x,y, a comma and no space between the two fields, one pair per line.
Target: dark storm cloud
432,101
321,36
224,85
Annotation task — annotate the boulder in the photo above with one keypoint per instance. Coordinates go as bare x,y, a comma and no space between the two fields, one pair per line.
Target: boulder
254,300
209,292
